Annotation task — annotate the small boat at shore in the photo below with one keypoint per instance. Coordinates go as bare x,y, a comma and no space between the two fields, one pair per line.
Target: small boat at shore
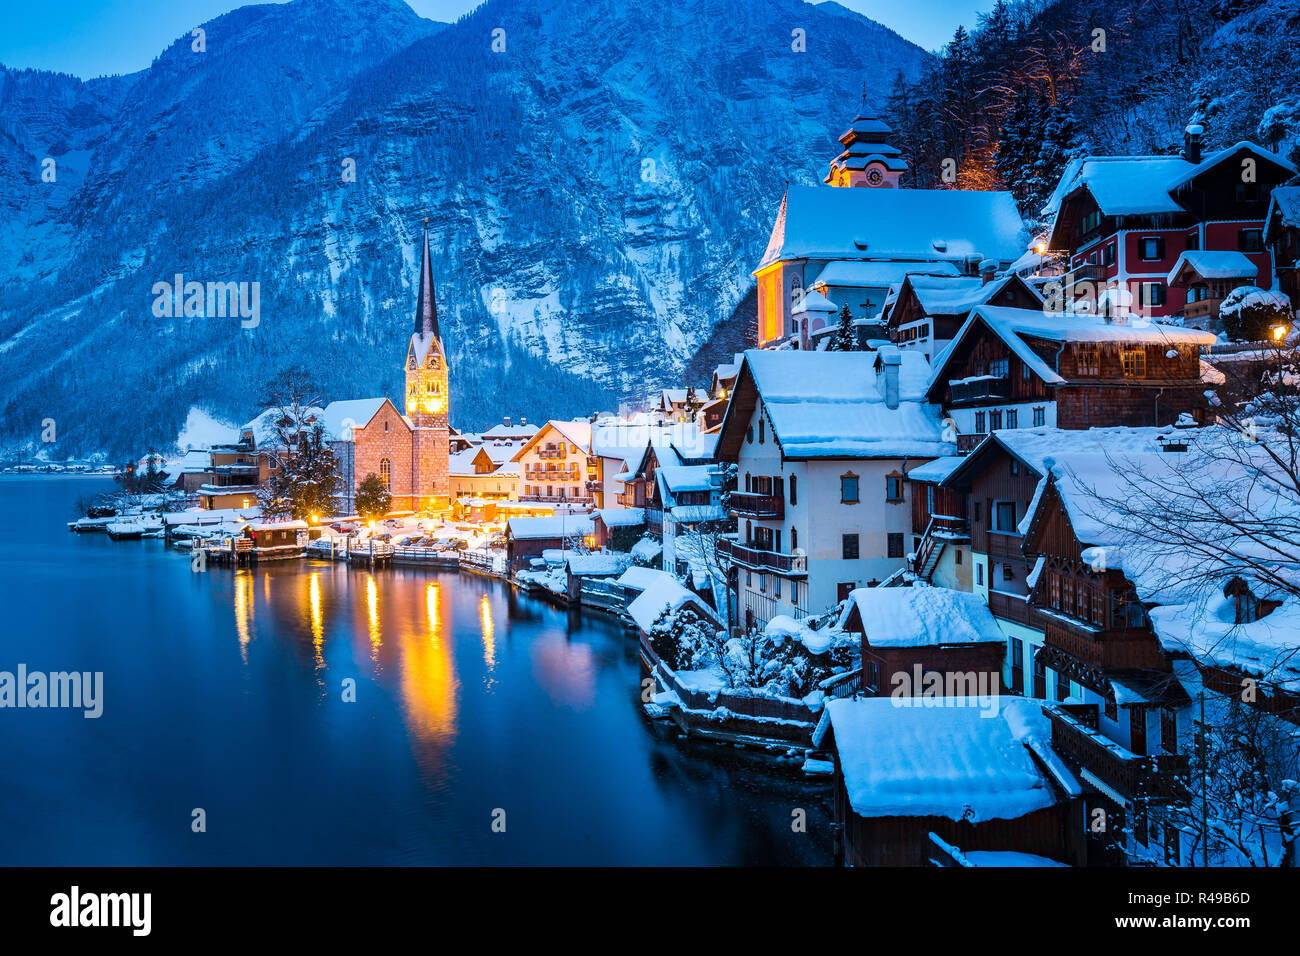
125,531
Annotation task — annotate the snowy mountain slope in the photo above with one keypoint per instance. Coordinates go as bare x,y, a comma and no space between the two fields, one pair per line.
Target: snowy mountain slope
597,193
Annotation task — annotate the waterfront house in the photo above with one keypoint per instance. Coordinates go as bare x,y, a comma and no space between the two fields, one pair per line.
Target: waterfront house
556,466
925,641
822,442
979,773
527,538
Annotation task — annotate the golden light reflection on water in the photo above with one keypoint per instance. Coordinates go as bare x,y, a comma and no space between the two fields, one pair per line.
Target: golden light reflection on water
489,639
317,622
429,684
244,611
372,603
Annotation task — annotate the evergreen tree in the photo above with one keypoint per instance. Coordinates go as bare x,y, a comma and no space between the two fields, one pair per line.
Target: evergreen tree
845,338
374,500
306,482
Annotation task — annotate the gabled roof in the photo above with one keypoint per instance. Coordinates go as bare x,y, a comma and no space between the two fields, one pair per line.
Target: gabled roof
831,405
1033,447
1013,325
574,432
924,225
1187,177
339,418
1212,264
973,759
921,617
1283,210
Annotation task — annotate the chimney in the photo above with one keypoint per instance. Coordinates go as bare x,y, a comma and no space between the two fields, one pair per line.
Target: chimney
988,268
507,421
888,360
1192,142
523,423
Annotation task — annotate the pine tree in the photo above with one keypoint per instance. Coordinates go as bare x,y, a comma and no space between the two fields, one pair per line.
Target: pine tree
845,338
374,500
306,482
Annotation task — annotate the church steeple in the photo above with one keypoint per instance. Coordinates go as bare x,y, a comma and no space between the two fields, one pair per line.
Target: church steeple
426,305
868,159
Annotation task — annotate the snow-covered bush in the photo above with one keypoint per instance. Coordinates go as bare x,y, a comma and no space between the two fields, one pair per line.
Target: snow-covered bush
1249,313
684,640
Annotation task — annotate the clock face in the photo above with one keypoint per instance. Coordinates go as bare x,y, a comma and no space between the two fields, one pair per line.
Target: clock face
875,177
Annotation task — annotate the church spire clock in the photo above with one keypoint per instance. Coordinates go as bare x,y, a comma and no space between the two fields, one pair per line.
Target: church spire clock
868,158
428,394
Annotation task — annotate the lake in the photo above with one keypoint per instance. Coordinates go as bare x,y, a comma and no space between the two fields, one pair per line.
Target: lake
224,691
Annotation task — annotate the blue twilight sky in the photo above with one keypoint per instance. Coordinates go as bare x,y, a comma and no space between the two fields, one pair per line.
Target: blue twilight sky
95,37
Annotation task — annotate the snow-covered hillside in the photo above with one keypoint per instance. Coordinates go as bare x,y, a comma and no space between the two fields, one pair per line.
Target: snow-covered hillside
599,178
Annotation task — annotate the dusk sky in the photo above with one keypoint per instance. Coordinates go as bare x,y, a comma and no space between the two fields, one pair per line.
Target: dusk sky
94,37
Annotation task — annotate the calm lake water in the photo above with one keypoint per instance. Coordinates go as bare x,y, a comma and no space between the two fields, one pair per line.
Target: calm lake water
223,691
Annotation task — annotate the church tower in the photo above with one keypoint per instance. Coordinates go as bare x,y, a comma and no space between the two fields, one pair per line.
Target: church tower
428,398
868,158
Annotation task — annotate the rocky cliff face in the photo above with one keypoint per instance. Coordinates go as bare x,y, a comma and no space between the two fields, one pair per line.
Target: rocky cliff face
599,178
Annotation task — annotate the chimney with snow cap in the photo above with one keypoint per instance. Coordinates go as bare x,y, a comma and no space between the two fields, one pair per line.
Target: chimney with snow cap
988,269
888,360
1192,142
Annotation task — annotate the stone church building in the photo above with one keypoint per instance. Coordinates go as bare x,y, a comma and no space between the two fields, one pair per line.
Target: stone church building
411,451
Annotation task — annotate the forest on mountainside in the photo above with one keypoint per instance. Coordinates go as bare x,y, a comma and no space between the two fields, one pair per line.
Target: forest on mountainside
1036,83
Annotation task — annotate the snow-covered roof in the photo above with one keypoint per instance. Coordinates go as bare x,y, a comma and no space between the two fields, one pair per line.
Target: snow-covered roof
550,526
502,430
1267,648
638,579
937,470
1142,185
1011,325
1123,185
263,426
276,526
1283,208
856,274
678,478
622,517
605,564
574,432
939,295
921,225
922,617
814,301
660,591
1231,496
1213,264
832,405
627,441
339,418
968,760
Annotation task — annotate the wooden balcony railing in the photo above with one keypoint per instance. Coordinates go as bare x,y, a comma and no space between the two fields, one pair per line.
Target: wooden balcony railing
760,560
967,443
986,386
1012,607
550,453
1148,780
748,505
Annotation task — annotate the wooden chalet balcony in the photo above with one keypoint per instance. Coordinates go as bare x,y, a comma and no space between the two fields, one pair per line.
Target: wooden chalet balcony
756,559
594,485
983,386
748,505
550,453
541,474
1113,649
1142,779
1012,607
557,499
1088,272
1004,545
967,443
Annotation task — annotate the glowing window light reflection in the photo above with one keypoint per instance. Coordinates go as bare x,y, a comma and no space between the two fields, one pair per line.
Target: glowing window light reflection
489,642
372,603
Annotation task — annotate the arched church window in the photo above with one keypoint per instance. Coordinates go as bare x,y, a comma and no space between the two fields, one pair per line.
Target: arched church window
386,473
796,293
